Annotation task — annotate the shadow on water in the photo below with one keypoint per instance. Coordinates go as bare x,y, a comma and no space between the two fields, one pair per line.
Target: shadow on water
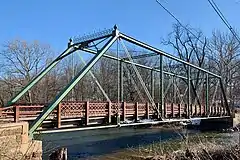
82,144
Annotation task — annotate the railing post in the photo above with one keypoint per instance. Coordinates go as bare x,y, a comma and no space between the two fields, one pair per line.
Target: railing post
209,111
179,110
136,111
158,108
191,109
186,110
200,109
207,103
124,111
147,111
87,113
172,110
224,111
16,113
220,111
215,110
59,115
165,110
1,111
196,111
109,112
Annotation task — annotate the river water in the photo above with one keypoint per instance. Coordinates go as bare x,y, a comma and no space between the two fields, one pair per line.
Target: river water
83,144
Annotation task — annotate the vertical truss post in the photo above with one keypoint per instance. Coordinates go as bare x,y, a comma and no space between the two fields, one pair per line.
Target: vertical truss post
189,90
71,85
152,84
207,98
174,90
161,78
39,76
225,98
121,81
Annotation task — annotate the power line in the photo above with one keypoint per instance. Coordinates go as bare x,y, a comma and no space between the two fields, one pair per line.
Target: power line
179,22
223,18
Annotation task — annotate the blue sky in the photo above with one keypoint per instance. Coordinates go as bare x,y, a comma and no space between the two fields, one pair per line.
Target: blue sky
55,21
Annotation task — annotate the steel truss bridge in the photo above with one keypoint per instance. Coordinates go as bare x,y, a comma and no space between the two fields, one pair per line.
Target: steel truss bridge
60,114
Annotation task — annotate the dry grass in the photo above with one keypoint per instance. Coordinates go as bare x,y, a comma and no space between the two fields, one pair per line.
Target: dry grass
200,147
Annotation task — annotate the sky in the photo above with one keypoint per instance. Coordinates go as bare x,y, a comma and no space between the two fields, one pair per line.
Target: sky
53,22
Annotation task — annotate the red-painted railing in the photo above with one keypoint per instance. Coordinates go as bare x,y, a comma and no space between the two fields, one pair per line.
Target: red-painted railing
88,110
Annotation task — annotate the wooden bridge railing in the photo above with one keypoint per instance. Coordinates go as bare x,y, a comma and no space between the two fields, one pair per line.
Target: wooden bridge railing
106,110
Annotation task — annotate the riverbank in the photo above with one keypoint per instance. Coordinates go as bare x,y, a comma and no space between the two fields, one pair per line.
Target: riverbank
203,146
129,142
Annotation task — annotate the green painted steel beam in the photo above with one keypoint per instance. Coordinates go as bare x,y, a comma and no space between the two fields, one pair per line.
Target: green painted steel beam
121,81
142,56
70,86
225,97
207,95
146,46
39,76
189,89
161,82
152,83
136,64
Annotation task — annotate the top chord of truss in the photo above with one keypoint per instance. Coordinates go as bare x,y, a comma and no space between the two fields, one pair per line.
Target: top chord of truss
93,36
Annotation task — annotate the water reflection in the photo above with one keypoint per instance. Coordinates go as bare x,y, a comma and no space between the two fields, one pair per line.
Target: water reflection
82,144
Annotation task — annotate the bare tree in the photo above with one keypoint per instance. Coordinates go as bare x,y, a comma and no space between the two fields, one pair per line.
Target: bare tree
225,61
22,62
189,48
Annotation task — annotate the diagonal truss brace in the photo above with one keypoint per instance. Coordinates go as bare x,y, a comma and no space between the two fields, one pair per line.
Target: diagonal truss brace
95,79
140,79
69,87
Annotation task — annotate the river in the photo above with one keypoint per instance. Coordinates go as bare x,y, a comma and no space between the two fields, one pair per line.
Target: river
83,144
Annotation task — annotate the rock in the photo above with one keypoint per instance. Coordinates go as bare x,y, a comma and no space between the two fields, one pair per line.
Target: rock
60,154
